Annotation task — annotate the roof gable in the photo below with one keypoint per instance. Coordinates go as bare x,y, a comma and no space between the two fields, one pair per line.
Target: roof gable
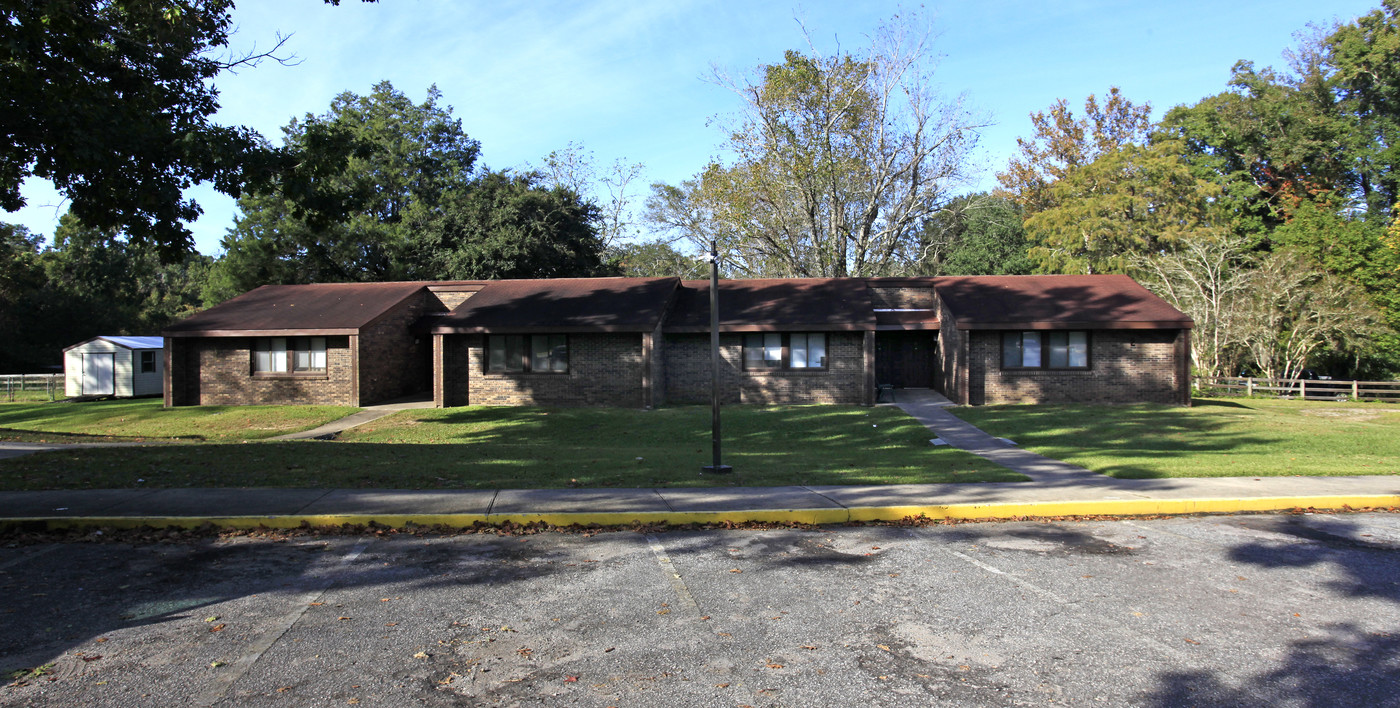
1048,301
320,308
562,305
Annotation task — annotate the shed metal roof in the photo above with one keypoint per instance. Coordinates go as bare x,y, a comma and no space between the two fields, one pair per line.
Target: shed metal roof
1055,302
792,304
321,308
562,305
127,341
137,342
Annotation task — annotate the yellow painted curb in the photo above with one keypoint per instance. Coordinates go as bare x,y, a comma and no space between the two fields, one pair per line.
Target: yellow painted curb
1099,507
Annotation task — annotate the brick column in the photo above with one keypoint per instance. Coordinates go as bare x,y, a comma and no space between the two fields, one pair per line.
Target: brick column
167,380
439,388
869,397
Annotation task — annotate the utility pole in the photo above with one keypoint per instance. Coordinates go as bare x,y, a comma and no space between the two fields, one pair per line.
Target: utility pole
717,467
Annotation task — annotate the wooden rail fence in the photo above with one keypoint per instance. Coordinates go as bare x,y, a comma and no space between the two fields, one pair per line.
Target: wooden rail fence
30,385
1309,390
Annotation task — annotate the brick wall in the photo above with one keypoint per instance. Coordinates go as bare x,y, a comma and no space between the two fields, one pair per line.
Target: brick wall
1126,366
217,371
394,361
902,298
952,355
687,362
604,370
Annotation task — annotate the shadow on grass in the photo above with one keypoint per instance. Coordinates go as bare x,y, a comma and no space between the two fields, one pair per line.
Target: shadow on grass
1345,664
1127,432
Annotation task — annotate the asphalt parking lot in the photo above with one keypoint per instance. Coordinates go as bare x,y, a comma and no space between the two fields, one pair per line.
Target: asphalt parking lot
1240,610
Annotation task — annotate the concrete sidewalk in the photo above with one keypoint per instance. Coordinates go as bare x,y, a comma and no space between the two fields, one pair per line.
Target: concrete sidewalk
285,508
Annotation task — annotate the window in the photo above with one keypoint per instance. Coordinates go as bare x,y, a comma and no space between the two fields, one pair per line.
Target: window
148,362
536,353
278,355
774,350
1045,350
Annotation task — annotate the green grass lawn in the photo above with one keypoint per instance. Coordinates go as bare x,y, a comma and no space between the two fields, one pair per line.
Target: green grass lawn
1216,437
509,447
145,419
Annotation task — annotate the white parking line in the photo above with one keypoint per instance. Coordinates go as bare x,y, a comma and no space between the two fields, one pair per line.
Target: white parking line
1014,580
219,689
682,592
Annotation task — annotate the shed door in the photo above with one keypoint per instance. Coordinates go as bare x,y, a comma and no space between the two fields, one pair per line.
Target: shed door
99,374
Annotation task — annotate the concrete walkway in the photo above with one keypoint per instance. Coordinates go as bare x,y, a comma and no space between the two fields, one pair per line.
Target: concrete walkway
930,408
374,412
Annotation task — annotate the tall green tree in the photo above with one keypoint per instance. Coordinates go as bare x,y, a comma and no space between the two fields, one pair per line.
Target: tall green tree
837,160
88,282
395,161
113,102
1272,142
1362,63
1062,143
504,225
656,259
977,234
1131,200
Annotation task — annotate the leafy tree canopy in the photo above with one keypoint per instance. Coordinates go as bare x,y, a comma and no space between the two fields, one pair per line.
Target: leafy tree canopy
505,225
387,163
978,234
112,101
837,161
1062,143
408,203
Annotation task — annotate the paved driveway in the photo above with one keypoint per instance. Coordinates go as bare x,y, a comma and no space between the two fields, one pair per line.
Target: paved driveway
1249,610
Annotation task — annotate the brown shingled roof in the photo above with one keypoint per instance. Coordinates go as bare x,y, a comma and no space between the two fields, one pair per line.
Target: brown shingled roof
563,305
790,304
322,308
1055,301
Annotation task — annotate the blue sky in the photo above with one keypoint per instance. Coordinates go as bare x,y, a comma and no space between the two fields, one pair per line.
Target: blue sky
627,79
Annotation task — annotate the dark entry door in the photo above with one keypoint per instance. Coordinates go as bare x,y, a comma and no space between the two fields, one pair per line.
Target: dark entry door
906,359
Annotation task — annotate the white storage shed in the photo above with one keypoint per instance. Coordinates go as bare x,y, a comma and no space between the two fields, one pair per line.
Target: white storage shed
115,366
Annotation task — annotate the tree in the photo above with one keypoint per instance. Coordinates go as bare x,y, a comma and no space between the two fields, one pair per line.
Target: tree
1131,200
21,274
610,190
1209,279
656,259
1363,64
977,234
837,160
112,101
1295,312
394,160
88,282
505,225
1271,143
1063,143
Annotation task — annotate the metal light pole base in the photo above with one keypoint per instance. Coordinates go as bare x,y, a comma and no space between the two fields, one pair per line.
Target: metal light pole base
716,469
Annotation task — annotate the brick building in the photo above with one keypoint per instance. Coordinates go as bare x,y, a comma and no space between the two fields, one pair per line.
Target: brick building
638,342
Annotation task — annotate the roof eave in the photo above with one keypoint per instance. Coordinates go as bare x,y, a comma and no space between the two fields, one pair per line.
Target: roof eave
260,332
1080,324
